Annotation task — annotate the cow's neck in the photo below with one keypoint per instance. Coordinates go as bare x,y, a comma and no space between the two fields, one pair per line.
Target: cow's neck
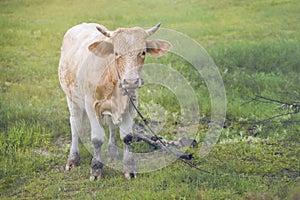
110,98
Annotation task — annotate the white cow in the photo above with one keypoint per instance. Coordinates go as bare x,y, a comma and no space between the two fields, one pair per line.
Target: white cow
96,67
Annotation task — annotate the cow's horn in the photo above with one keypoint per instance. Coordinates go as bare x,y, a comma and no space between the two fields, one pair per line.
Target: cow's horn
104,31
152,30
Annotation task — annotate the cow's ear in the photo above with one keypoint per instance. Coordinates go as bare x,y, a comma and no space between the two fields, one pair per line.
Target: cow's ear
102,48
158,47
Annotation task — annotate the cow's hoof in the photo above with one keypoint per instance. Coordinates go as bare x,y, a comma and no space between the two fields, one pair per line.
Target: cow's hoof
73,161
130,175
95,177
113,152
96,170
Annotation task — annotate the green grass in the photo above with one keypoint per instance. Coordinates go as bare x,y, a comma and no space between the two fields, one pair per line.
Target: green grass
256,46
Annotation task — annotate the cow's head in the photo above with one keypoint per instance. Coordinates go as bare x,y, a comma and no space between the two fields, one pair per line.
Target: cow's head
129,47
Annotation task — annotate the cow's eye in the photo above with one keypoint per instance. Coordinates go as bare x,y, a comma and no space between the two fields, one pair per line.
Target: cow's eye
143,53
116,54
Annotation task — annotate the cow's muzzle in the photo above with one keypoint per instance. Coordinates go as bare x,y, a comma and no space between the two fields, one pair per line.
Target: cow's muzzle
132,84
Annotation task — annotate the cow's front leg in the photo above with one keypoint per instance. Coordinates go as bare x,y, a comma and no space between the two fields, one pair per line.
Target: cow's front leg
97,137
129,166
97,165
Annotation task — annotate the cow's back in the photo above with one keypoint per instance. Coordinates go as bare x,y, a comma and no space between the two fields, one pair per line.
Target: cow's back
75,55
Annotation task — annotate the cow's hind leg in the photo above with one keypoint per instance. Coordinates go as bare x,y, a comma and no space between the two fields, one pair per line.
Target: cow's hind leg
76,121
113,149
129,166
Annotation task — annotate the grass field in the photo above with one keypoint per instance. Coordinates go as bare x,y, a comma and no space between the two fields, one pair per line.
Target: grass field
256,46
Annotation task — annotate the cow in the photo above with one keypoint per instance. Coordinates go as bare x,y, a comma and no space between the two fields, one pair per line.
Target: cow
99,71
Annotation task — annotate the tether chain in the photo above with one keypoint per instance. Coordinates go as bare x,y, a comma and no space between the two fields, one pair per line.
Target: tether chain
159,139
